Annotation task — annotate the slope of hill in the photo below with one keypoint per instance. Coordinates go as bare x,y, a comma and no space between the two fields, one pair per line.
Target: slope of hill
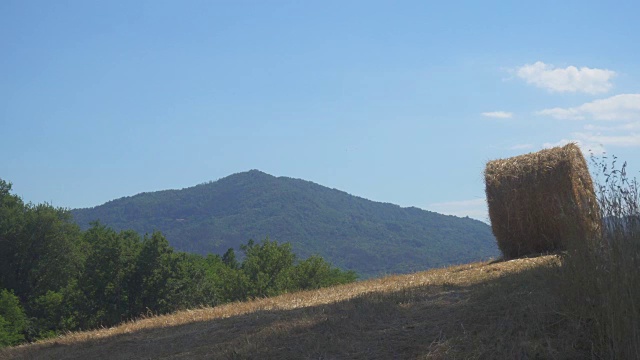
353,233
503,310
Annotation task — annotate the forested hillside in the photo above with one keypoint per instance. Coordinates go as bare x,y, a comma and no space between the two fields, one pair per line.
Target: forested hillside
353,233
55,278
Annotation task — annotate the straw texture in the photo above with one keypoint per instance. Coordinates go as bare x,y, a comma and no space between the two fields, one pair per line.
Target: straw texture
538,202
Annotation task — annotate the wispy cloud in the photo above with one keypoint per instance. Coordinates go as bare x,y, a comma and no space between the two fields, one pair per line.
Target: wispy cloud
563,113
586,144
476,208
622,130
498,114
521,147
569,79
618,107
627,140
623,127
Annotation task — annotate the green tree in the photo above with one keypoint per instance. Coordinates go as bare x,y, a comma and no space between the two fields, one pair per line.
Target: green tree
229,259
11,224
110,264
196,281
235,284
13,321
268,267
53,312
42,251
154,277
314,273
41,254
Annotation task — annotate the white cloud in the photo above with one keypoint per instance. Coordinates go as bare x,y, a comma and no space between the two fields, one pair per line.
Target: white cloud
569,79
623,127
563,114
595,143
521,147
498,114
476,208
618,107
630,140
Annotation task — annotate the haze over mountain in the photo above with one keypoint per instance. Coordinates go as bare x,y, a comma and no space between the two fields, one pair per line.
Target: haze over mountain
353,233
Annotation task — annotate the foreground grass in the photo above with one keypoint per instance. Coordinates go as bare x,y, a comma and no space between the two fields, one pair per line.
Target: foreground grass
482,310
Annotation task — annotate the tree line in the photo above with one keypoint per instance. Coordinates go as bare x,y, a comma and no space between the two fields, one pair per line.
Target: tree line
55,278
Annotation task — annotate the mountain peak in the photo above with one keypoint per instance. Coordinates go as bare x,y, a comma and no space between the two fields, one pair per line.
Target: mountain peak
351,232
253,173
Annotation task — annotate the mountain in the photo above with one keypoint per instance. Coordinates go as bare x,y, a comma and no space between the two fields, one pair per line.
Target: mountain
352,233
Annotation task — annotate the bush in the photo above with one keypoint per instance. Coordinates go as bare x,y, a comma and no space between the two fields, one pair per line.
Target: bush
13,321
315,273
268,267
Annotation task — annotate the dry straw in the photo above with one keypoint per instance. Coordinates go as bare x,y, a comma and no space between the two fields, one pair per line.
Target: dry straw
541,201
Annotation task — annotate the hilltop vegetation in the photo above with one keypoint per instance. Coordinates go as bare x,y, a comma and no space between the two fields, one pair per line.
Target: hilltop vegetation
352,233
56,278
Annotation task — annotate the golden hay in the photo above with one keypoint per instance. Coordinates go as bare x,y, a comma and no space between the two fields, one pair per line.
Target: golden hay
538,202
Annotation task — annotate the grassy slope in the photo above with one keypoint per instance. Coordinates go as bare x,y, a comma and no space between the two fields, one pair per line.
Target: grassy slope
481,310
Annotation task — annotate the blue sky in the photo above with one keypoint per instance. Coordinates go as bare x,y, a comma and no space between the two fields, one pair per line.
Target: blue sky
394,101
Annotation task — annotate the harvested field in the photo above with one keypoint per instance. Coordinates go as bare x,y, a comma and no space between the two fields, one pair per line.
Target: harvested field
481,310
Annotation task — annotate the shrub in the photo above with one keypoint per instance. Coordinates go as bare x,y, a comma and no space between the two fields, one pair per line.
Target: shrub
13,321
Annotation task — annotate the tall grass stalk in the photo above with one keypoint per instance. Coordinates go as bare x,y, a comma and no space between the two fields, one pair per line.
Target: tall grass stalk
602,275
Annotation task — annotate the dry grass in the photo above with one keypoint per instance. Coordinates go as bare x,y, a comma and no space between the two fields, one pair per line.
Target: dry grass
602,279
539,202
481,311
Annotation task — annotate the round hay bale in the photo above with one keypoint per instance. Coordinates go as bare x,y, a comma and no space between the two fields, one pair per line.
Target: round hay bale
539,202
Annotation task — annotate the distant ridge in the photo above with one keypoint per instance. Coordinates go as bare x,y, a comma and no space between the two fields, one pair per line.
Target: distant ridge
353,233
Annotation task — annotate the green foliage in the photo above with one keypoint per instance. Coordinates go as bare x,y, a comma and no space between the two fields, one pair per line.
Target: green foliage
40,247
65,279
196,282
315,273
106,278
52,312
350,232
268,267
229,259
41,254
51,250
13,321
154,279
235,285
11,225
